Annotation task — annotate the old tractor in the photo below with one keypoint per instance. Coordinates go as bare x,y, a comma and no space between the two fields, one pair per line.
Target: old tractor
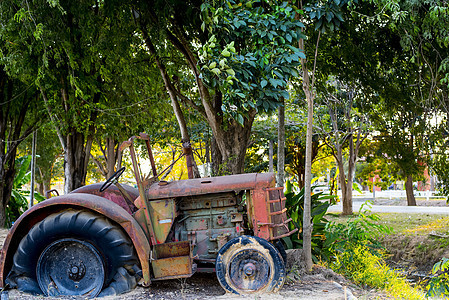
104,238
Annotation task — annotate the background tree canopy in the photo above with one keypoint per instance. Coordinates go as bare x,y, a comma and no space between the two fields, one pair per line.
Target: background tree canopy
89,74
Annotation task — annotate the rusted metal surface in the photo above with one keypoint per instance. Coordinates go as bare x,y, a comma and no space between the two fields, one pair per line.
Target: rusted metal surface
80,201
172,260
112,194
141,185
277,211
48,193
163,213
207,221
172,267
208,185
146,138
267,212
140,217
166,250
258,210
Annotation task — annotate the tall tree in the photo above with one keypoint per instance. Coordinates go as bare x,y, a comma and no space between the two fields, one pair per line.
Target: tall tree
78,49
322,17
347,127
239,59
19,117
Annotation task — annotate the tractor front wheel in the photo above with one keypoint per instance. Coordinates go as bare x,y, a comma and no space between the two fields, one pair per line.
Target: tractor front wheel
74,252
250,264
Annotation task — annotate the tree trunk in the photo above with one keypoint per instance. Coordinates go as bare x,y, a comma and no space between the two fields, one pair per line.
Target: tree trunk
281,146
345,185
347,198
233,143
411,201
7,173
75,165
307,219
3,209
308,87
43,186
216,157
171,90
11,135
111,158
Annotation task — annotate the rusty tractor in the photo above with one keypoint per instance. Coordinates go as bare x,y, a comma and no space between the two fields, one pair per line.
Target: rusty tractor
105,238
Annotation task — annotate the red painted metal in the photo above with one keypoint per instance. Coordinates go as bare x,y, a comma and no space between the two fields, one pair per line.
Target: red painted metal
76,200
112,194
258,210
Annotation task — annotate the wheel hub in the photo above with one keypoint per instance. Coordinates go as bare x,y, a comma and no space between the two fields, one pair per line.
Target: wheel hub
70,267
249,270
77,272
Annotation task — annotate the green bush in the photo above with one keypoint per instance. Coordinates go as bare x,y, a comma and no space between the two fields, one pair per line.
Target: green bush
19,197
295,209
358,263
359,256
362,228
438,286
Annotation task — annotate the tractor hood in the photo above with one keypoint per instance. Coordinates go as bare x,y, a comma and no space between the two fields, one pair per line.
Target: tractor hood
210,185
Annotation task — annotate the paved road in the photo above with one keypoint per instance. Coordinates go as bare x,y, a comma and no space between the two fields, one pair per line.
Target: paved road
394,209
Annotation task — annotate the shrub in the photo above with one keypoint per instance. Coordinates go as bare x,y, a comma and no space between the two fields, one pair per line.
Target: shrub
320,202
19,197
360,229
438,286
358,263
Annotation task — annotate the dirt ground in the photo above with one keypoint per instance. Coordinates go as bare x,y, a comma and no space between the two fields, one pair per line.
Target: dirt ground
321,284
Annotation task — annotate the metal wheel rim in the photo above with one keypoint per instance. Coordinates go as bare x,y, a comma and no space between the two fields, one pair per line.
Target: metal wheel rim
249,270
70,267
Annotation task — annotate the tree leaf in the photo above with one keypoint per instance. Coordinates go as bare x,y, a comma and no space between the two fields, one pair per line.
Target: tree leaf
240,119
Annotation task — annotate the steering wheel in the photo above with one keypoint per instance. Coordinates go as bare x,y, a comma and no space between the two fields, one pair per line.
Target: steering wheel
112,179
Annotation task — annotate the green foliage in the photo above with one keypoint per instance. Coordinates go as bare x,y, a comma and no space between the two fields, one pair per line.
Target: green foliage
327,15
383,170
358,263
440,165
250,55
438,286
320,202
363,228
19,197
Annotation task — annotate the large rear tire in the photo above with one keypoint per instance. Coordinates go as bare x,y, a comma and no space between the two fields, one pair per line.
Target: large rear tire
74,252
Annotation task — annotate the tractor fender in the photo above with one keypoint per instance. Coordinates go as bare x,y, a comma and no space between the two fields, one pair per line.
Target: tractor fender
90,202
113,194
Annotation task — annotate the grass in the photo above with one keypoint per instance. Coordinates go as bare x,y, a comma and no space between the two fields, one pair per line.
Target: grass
366,266
406,224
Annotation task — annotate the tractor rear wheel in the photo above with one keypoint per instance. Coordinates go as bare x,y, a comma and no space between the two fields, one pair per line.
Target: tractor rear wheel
74,252
250,264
